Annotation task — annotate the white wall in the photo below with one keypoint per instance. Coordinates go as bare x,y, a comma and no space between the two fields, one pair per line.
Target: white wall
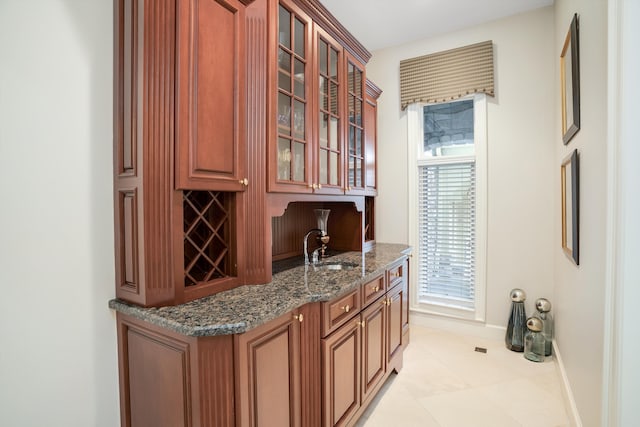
579,292
522,174
58,364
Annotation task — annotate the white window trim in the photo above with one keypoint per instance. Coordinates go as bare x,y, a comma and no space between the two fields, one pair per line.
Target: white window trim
415,138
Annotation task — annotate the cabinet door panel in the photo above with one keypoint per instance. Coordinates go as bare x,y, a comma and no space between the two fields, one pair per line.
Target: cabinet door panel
355,127
373,92
158,371
373,346
269,374
329,146
271,366
370,120
211,89
341,367
405,301
394,332
290,86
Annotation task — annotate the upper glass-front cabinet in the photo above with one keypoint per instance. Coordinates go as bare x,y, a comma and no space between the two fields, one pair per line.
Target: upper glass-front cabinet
292,103
329,148
317,95
355,128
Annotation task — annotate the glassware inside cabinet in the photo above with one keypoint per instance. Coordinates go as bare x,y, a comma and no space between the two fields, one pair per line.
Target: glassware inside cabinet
284,159
292,96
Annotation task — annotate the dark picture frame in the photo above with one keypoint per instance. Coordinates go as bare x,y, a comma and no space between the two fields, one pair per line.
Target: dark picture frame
570,82
570,178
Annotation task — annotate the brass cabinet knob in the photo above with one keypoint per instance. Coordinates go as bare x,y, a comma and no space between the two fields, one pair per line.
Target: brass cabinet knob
311,185
244,182
346,308
376,288
298,317
362,324
319,186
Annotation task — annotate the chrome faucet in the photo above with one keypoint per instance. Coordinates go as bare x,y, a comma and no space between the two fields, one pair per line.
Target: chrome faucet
305,245
315,255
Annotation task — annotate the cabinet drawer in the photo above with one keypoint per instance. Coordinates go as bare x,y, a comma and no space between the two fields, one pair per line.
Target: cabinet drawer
338,311
372,290
395,275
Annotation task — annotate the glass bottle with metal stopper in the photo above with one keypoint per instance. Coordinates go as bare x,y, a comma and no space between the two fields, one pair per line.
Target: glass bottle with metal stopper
543,306
534,340
514,338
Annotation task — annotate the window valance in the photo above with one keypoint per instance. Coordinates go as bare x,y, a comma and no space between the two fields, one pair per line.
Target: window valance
447,75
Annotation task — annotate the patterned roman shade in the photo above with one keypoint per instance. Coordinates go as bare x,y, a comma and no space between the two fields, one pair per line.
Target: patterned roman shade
447,75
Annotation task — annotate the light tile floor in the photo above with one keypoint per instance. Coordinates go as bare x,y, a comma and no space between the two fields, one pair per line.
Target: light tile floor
446,383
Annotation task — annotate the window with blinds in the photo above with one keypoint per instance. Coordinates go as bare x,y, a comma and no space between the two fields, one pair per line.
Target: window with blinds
446,214
446,200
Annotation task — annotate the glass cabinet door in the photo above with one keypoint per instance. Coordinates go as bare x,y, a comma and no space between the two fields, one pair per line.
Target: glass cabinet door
292,102
329,149
355,128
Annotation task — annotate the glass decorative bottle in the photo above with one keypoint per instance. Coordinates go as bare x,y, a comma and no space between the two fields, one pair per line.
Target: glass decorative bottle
534,340
543,306
514,339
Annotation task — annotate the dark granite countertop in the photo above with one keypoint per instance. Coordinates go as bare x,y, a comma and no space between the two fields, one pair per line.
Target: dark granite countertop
241,309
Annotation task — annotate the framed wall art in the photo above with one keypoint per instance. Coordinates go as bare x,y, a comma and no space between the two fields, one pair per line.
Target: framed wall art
570,82
570,178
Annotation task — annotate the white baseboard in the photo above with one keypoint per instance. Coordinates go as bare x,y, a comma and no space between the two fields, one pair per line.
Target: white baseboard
567,394
460,326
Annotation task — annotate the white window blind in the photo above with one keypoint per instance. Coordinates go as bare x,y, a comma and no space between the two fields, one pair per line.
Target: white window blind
447,232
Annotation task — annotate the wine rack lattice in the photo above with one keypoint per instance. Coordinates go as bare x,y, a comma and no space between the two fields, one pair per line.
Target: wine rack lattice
206,236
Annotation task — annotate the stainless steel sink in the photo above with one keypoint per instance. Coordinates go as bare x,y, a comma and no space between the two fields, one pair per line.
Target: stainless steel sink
335,265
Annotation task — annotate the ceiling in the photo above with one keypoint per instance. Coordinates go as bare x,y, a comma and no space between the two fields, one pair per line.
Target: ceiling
382,23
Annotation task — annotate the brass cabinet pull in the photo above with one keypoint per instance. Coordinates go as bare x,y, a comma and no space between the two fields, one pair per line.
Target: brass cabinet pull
298,317
244,182
346,308
319,186
375,288
362,323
